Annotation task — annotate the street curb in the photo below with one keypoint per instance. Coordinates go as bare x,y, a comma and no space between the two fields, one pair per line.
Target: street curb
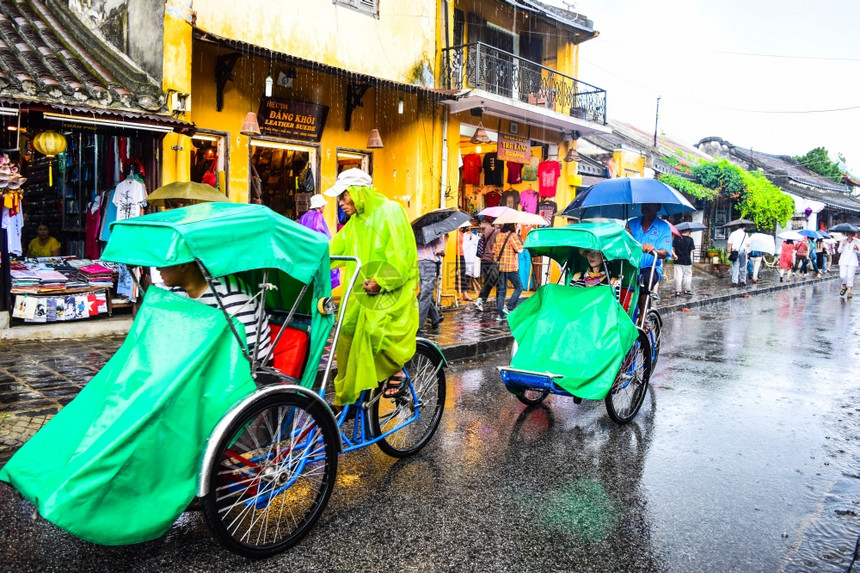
469,350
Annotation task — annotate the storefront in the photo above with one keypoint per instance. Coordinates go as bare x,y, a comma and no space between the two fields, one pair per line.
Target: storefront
70,176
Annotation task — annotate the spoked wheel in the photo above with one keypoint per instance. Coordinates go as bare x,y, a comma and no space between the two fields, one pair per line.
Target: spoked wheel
532,397
654,326
628,391
423,402
272,475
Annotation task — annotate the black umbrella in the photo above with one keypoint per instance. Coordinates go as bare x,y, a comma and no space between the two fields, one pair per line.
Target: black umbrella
844,228
690,227
434,224
739,223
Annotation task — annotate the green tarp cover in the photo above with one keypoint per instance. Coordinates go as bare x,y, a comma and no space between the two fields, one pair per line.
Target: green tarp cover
121,461
581,333
232,238
378,335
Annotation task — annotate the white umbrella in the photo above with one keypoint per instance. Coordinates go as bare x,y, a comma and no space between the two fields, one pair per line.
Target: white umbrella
495,211
763,243
791,236
519,218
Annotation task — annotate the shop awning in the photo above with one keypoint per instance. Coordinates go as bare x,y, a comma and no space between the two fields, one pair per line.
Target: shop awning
521,112
254,50
94,116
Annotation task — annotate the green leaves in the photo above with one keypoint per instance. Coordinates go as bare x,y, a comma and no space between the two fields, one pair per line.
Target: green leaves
818,160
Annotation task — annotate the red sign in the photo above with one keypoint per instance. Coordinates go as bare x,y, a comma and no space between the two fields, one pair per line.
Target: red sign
513,148
292,119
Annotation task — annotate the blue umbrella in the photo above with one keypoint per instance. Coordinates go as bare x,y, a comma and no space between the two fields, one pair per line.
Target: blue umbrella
622,198
809,233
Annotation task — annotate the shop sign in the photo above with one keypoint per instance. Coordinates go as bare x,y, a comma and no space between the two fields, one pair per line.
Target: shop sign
292,119
513,148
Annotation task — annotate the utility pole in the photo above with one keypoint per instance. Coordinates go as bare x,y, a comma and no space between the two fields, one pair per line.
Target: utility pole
656,120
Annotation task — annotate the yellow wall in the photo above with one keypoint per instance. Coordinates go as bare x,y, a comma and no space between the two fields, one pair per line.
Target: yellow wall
177,76
390,46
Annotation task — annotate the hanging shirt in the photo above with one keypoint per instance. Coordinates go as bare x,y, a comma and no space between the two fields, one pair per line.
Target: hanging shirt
472,169
13,224
548,174
530,171
547,209
515,173
91,244
529,200
511,198
128,197
494,168
470,254
492,199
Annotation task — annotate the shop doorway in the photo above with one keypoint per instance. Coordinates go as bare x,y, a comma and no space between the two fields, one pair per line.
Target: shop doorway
285,176
208,160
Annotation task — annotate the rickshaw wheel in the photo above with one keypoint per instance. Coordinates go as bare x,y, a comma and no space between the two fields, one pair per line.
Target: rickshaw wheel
628,391
532,397
654,326
425,397
273,474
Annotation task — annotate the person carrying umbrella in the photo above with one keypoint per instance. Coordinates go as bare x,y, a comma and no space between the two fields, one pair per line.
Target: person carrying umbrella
738,246
849,253
378,331
655,236
429,259
682,250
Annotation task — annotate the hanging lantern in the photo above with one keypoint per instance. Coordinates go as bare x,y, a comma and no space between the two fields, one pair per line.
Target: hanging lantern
374,141
51,144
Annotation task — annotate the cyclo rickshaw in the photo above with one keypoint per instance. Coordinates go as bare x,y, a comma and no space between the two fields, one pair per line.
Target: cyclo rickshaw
585,342
183,409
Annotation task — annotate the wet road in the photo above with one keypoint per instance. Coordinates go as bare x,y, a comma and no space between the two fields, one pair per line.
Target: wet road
745,457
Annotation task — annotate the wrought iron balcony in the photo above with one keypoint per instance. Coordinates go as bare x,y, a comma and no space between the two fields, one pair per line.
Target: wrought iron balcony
481,66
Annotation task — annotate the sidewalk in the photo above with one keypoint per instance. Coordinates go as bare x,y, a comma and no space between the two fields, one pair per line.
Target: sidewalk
38,377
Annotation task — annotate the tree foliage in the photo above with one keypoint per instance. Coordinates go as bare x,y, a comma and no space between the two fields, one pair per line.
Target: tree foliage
818,160
686,186
764,202
722,176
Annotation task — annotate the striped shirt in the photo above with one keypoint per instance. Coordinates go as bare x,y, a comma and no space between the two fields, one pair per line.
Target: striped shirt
235,298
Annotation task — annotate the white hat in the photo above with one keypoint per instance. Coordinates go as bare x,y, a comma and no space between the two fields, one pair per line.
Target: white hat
317,201
347,179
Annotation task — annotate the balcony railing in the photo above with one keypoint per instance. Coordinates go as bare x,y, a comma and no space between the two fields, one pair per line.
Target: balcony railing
481,66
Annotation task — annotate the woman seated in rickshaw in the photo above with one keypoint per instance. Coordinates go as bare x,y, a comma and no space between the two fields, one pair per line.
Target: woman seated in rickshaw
596,273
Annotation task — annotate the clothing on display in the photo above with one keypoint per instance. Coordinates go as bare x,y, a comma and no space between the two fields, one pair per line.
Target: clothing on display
494,168
472,169
529,201
548,173
547,209
492,198
13,225
515,171
470,253
530,171
129,198
511,199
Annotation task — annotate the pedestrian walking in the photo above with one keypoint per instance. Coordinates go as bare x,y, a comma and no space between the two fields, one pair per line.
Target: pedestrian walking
682,253
849,256
801,257
507,252
819,258
786,260
489,264
429,262
739,244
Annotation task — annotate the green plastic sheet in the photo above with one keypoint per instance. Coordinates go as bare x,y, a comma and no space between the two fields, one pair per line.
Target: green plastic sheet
240,239
121,461
581,333
378,334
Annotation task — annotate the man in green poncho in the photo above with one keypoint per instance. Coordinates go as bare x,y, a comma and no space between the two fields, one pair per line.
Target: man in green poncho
378,334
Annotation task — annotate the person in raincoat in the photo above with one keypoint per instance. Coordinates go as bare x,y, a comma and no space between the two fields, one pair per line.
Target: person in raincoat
315,221
378,333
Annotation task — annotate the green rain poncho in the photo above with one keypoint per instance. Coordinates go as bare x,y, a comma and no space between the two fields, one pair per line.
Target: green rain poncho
378,334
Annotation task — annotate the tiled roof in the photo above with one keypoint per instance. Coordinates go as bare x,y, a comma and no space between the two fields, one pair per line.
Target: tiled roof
51,58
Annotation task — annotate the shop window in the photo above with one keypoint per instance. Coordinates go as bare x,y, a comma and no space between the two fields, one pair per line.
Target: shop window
207,160
285,177
365,6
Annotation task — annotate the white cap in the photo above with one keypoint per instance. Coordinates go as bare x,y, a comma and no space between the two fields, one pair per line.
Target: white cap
317,201
347,179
